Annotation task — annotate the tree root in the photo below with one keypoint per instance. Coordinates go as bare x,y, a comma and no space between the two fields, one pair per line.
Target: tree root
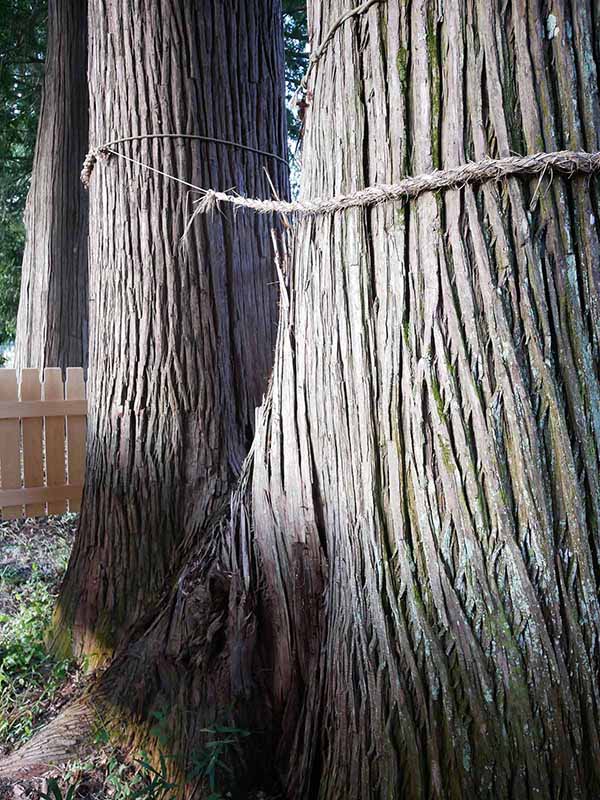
64,738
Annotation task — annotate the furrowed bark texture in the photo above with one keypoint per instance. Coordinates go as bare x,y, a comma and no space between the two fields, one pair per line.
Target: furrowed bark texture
66,736
431,455
52,322
406,597
182,327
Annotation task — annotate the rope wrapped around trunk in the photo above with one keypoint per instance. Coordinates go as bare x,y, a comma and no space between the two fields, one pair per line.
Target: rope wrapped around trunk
563,162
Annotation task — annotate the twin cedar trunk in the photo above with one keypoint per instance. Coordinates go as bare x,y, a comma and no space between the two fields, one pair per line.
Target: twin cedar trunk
405,603
432,451
182,321
52,322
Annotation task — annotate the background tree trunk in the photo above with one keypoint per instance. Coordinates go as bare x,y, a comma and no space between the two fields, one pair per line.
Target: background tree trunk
52,322
182,327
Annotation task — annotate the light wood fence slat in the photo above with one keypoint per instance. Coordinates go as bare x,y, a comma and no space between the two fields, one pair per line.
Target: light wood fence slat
33,464
10,445
23,409
42,442
41,494
76,431
54,439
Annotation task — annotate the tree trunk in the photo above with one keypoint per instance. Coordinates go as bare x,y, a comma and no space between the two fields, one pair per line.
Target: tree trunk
405,602
52,322
432,450
182,323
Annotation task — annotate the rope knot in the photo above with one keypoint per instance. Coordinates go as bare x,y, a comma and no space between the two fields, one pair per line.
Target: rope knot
209,202
89,163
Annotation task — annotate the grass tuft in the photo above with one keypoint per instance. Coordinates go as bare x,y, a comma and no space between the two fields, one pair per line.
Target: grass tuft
29,676
33,556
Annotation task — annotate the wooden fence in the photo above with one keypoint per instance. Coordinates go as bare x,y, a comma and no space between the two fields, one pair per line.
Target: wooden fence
42,442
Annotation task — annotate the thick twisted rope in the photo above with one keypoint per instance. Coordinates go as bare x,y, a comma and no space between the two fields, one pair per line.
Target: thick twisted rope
107,149
564,162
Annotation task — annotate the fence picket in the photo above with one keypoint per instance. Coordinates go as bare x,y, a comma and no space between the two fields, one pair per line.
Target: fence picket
42,442
10,445
33,465
54,438
76,425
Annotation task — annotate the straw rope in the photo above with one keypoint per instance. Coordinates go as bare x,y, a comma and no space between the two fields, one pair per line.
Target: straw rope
564,162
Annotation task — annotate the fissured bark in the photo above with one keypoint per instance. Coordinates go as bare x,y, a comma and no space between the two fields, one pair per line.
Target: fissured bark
183,322
52,322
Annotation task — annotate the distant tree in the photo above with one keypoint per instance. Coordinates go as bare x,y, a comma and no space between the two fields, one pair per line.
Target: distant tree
22,48
53,309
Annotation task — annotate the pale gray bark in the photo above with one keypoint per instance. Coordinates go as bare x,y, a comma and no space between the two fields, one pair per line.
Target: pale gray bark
52,321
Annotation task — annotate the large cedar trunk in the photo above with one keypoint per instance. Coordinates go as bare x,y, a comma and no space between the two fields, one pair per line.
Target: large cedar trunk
182,326
432,450
52,322
405,601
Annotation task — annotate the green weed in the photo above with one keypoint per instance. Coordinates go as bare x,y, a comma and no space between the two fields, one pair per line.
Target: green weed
29,676
55,792
155,782
210,763
119,781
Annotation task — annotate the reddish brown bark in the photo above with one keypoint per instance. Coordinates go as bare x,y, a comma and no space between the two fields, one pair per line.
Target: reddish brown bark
52,323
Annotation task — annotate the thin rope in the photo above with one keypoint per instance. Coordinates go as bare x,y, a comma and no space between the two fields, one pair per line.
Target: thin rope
155,170
324,44
107,148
